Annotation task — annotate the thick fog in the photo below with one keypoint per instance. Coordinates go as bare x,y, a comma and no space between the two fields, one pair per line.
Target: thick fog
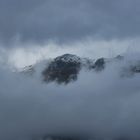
102,105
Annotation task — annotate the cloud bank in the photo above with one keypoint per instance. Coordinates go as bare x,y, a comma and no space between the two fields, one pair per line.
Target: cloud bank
21,55
99,105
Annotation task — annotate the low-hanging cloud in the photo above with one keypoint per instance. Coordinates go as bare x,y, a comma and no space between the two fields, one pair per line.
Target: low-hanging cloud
21,55
101,105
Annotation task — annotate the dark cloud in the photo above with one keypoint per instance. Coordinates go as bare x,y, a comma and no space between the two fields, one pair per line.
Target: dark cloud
33,20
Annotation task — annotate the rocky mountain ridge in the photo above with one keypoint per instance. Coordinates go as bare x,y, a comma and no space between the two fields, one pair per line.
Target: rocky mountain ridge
65,68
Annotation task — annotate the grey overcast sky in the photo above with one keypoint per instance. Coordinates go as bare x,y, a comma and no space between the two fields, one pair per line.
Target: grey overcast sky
68,20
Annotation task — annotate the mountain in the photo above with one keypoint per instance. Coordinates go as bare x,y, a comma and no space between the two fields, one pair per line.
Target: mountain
65,68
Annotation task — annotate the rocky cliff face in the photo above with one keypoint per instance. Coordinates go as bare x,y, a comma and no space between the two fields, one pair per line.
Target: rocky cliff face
63,69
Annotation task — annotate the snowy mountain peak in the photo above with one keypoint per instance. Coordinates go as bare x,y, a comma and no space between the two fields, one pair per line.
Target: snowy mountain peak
68,58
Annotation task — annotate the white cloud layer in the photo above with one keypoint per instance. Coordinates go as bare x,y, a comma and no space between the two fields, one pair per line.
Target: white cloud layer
23,55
